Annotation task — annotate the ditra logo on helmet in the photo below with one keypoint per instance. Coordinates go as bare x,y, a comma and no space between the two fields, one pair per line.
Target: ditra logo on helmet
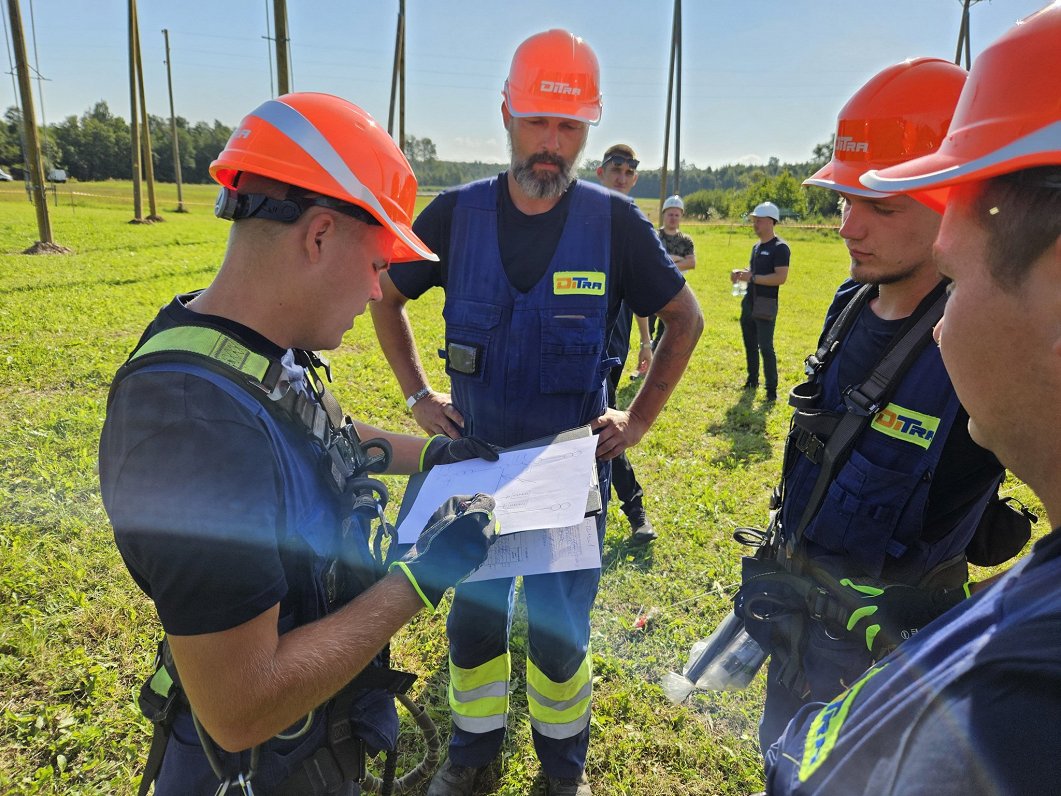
554,73
901,113
1008,118
334,153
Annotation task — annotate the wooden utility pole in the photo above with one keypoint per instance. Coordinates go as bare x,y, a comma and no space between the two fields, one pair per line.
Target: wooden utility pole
134,119
283,82
145,139
173,128
398,79
33,144
675,62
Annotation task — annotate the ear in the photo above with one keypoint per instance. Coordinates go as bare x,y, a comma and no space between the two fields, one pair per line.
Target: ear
506,116
633,179
600,171
320,228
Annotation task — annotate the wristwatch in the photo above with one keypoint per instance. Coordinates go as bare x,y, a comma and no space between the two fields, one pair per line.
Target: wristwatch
416,396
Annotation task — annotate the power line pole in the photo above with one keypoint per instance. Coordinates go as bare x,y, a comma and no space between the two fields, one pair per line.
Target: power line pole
33,147
675,59
145,138
134,119
173,128
964,42
283,83
396,70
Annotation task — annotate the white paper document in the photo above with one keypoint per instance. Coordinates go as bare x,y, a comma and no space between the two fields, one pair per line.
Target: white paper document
532,488
552,550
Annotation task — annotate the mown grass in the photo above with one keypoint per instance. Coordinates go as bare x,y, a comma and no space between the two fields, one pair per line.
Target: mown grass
76,636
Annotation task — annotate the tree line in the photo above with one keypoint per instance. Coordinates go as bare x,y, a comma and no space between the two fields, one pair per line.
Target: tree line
95,146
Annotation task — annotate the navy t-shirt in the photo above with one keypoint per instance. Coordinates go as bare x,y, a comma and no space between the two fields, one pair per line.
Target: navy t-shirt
193,492
528,242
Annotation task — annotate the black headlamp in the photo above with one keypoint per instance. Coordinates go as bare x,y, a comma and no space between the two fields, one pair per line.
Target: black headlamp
233,206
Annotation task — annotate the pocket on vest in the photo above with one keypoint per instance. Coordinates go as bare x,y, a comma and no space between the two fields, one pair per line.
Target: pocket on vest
470,332
571,352
861,512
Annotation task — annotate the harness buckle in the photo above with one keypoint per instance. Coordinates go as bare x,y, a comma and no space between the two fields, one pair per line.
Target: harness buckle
818,601
808,444
859,403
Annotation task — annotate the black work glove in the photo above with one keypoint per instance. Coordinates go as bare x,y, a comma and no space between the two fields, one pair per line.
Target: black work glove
888,615
441,449
451,547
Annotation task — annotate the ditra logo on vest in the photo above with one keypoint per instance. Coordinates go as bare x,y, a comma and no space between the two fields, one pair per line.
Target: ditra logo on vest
906,424
589,283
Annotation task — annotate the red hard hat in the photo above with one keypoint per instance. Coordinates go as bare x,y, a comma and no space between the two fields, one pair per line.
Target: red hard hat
554,74
1008,117
902,113
329,146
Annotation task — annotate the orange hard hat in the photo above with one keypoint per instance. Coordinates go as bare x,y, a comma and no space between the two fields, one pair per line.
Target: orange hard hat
331,147
554,74
900,114
1008,117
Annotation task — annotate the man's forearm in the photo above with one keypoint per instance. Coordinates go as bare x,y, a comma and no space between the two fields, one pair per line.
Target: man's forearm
245,688
396,338
684,324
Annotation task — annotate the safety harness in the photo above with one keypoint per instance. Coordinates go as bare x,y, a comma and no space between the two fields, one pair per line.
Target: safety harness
780,586
347,463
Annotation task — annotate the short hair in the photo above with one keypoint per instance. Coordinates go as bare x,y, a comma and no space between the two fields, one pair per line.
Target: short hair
625,150
1021,214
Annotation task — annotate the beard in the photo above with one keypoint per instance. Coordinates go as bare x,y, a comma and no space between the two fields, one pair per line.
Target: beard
543,184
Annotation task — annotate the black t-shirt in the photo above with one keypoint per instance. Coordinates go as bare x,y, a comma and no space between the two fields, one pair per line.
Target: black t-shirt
767,258
194,494
528,242
965,469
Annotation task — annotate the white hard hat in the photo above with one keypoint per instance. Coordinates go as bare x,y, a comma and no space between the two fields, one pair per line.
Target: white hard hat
674,201
767,210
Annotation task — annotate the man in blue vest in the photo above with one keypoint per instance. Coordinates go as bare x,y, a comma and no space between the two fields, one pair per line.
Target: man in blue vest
239,497
900,503
972,703
534,265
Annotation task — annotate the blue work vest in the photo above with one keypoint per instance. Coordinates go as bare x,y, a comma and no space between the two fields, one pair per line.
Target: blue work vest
873,512
526,365
311,539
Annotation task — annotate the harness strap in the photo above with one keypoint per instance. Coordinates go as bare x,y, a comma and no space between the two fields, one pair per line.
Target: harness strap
864,401
830,340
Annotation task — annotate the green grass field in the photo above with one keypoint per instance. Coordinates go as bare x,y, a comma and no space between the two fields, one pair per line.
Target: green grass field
77,637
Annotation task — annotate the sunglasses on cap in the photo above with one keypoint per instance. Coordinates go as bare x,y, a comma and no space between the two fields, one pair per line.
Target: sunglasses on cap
620,159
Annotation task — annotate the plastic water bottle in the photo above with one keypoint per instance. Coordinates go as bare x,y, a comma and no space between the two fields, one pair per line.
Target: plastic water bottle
726,661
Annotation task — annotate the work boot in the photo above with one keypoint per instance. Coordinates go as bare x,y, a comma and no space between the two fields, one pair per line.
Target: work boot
643,532
453,780
771,394
560,786
750,384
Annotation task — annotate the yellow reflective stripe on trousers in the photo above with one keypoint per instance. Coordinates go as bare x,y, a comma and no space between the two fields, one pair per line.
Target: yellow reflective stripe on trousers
478,697
559,710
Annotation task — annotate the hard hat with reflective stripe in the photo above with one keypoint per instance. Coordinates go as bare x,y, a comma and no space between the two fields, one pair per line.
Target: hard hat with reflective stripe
1008,118
766,210
674,201
902,113
554,73
327,145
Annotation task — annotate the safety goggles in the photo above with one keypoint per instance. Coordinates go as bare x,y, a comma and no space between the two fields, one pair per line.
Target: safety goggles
621,160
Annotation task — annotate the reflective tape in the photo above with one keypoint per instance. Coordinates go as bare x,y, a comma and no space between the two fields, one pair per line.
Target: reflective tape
560,710
478,697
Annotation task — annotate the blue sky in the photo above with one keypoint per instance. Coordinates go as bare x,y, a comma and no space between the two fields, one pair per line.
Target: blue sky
759,79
